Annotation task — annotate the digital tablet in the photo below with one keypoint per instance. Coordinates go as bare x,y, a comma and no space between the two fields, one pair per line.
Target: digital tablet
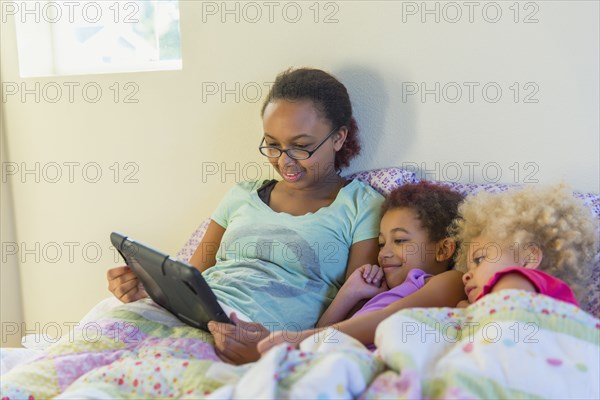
173,284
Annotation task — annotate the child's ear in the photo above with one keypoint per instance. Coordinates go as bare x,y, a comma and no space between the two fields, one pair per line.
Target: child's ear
445,249
340,138
533,256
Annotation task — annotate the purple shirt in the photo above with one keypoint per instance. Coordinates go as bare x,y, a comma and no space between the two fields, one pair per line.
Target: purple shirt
414,281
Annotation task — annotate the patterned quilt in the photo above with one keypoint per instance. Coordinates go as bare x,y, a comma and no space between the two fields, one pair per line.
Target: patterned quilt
511,344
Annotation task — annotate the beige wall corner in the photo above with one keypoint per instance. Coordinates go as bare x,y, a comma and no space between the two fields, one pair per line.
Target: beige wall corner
11,309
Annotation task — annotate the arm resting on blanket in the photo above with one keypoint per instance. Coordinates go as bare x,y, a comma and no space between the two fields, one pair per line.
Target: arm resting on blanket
443,290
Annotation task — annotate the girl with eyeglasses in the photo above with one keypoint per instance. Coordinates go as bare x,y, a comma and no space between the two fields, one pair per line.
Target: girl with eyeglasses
277,252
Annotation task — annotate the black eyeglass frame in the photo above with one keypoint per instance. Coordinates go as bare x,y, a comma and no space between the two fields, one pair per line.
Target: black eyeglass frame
286,151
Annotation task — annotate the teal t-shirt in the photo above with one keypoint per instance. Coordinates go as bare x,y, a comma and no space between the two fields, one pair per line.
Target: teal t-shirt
283,270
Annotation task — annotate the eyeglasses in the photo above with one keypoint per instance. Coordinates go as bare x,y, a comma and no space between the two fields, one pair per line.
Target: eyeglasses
295,154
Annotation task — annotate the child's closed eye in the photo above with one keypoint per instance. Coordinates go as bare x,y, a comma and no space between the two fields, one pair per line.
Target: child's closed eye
478,260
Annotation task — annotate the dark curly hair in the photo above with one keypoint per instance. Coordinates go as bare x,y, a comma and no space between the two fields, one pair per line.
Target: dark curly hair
330,97
436,205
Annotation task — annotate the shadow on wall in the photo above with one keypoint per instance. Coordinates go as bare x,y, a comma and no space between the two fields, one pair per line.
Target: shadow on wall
370,96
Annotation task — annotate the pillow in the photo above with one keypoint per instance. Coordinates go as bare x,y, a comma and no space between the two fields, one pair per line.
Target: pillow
187,251
591,200
472,188
592,304
384,180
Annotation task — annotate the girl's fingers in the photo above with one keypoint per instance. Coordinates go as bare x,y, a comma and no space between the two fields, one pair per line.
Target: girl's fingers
117,271
379,275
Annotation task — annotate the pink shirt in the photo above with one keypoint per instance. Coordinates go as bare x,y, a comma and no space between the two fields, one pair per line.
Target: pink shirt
543,283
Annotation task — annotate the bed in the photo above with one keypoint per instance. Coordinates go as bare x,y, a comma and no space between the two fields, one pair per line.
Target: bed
511,344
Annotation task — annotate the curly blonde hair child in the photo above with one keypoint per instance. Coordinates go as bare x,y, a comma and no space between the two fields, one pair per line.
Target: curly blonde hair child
516,221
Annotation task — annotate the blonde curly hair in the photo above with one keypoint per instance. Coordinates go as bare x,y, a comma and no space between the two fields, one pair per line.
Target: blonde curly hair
550,217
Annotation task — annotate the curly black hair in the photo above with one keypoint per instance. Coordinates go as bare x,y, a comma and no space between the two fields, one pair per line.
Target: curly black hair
436,205
330,98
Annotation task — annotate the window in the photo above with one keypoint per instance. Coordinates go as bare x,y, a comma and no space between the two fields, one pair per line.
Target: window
88,37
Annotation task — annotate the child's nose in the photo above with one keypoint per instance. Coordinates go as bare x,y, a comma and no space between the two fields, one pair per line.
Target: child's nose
385,252
466,278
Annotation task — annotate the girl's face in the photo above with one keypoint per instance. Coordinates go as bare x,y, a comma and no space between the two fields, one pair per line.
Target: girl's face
404,245
484,259
298,125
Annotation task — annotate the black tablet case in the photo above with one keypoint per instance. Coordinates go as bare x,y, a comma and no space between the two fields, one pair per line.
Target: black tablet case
175,285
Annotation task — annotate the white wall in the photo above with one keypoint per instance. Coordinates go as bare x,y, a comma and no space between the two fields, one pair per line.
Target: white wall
178,131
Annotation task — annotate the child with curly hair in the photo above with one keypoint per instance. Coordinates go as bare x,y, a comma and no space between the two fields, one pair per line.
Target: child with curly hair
536,239
415,266
414,246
